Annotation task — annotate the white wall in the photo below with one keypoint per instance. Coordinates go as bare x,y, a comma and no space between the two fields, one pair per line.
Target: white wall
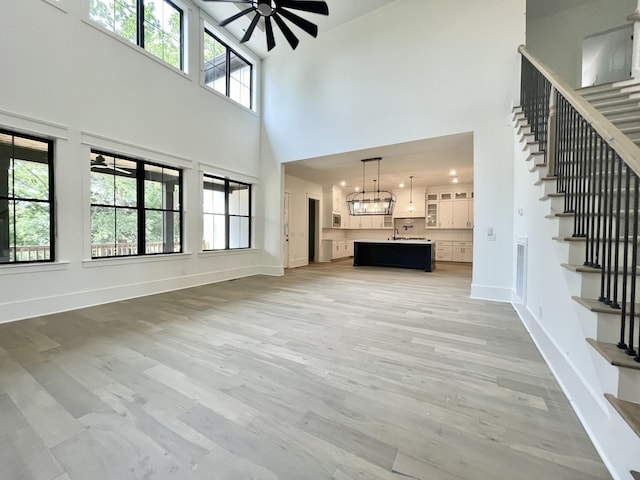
554,321
557,40
64,78
414,69
301,191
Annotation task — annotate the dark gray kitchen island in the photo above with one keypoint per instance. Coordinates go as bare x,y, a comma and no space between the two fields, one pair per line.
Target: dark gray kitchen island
416,254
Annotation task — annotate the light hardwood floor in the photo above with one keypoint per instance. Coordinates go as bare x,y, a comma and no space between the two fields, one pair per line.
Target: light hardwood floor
330,372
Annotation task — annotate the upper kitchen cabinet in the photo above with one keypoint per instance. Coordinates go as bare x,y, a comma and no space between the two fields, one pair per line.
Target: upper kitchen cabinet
449,208
334,208
402,203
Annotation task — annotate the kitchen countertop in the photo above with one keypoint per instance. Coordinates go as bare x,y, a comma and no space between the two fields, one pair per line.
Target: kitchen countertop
421,242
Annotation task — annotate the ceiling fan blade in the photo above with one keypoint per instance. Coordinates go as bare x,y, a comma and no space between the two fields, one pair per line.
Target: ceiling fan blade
252,27
229,1
303,23
312,6
286,31
235,17
271,41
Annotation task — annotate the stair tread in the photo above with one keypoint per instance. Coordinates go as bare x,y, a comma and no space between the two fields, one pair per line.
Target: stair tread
596,306
581,268
570,239
629,411
614,355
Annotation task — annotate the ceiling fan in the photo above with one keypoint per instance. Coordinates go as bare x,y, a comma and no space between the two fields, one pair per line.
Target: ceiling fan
276,10
101,164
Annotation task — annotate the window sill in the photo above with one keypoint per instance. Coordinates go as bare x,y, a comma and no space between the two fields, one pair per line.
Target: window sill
230,100
219,253
22,268
137,48
133,260
59,4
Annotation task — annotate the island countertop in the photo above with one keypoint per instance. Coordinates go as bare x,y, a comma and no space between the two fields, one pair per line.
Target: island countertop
399,240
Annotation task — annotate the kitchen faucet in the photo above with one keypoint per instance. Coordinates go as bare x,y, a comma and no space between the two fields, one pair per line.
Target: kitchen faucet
395,232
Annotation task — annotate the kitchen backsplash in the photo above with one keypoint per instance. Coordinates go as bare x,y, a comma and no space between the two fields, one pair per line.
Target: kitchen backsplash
415,229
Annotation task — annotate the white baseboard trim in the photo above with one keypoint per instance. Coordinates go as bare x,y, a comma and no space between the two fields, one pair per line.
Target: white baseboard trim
485,292
298,262
272,270
34,307
596,415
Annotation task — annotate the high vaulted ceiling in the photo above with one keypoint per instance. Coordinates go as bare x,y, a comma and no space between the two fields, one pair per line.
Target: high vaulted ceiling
340,12
429,161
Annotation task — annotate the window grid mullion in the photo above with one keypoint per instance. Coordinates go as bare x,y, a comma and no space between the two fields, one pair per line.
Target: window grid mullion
140,23
140,207
227,223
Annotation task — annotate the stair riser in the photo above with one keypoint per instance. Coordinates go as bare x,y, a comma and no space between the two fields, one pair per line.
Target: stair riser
604,327
629,385
614,114
587,286
624,383
572,251
616,102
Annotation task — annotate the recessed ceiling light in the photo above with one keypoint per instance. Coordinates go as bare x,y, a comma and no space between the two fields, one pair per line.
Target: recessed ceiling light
357,189
343,183
452,173
455,180
401,185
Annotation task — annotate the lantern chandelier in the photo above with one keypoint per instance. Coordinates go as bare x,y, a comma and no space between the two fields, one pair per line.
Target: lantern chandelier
375,202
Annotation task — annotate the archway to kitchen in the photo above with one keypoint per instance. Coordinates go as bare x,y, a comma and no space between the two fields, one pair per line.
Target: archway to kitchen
436,204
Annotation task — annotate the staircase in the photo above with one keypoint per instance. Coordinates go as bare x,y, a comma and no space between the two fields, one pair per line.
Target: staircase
590,199
620,103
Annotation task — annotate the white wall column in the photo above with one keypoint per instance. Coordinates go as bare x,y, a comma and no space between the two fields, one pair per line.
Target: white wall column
635,62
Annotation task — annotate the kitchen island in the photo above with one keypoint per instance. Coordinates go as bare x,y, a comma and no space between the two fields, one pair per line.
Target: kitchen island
416,254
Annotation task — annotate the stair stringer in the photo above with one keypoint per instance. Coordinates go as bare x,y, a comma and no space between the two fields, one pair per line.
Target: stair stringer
553,320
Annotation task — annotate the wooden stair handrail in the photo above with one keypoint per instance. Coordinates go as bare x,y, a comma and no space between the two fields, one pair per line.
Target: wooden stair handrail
624,147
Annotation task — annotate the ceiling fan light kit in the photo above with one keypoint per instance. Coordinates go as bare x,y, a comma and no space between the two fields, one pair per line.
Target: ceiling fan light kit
276,10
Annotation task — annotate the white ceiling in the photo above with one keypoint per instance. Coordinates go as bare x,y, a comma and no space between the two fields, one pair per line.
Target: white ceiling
429,161
340,12
546,8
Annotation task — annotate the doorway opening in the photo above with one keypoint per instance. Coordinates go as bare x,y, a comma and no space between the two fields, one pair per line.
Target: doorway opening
313,234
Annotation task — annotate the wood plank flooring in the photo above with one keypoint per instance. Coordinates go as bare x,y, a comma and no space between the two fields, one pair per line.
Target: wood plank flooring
330,372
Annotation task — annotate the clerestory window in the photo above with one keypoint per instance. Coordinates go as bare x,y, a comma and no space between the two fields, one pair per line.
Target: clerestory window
226,71
155,25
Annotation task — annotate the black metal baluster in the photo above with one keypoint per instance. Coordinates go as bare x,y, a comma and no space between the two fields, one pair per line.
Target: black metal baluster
633,267
610,197
616,253
625,255
604,200
593,177
597,199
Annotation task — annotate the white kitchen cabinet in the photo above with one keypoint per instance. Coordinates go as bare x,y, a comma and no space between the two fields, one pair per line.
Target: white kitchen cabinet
333,203
444,251
449,209
341,249
445,212
369,222
432,218
462,251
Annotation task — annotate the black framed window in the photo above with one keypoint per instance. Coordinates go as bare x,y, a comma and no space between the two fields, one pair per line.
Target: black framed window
26,199
136,207
155,25
226,214
226,71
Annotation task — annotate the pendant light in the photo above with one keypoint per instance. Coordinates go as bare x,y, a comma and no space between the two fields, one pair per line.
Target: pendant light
411,207
376,202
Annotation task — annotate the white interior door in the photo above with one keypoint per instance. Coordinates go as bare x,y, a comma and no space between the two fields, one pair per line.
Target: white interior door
285,230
